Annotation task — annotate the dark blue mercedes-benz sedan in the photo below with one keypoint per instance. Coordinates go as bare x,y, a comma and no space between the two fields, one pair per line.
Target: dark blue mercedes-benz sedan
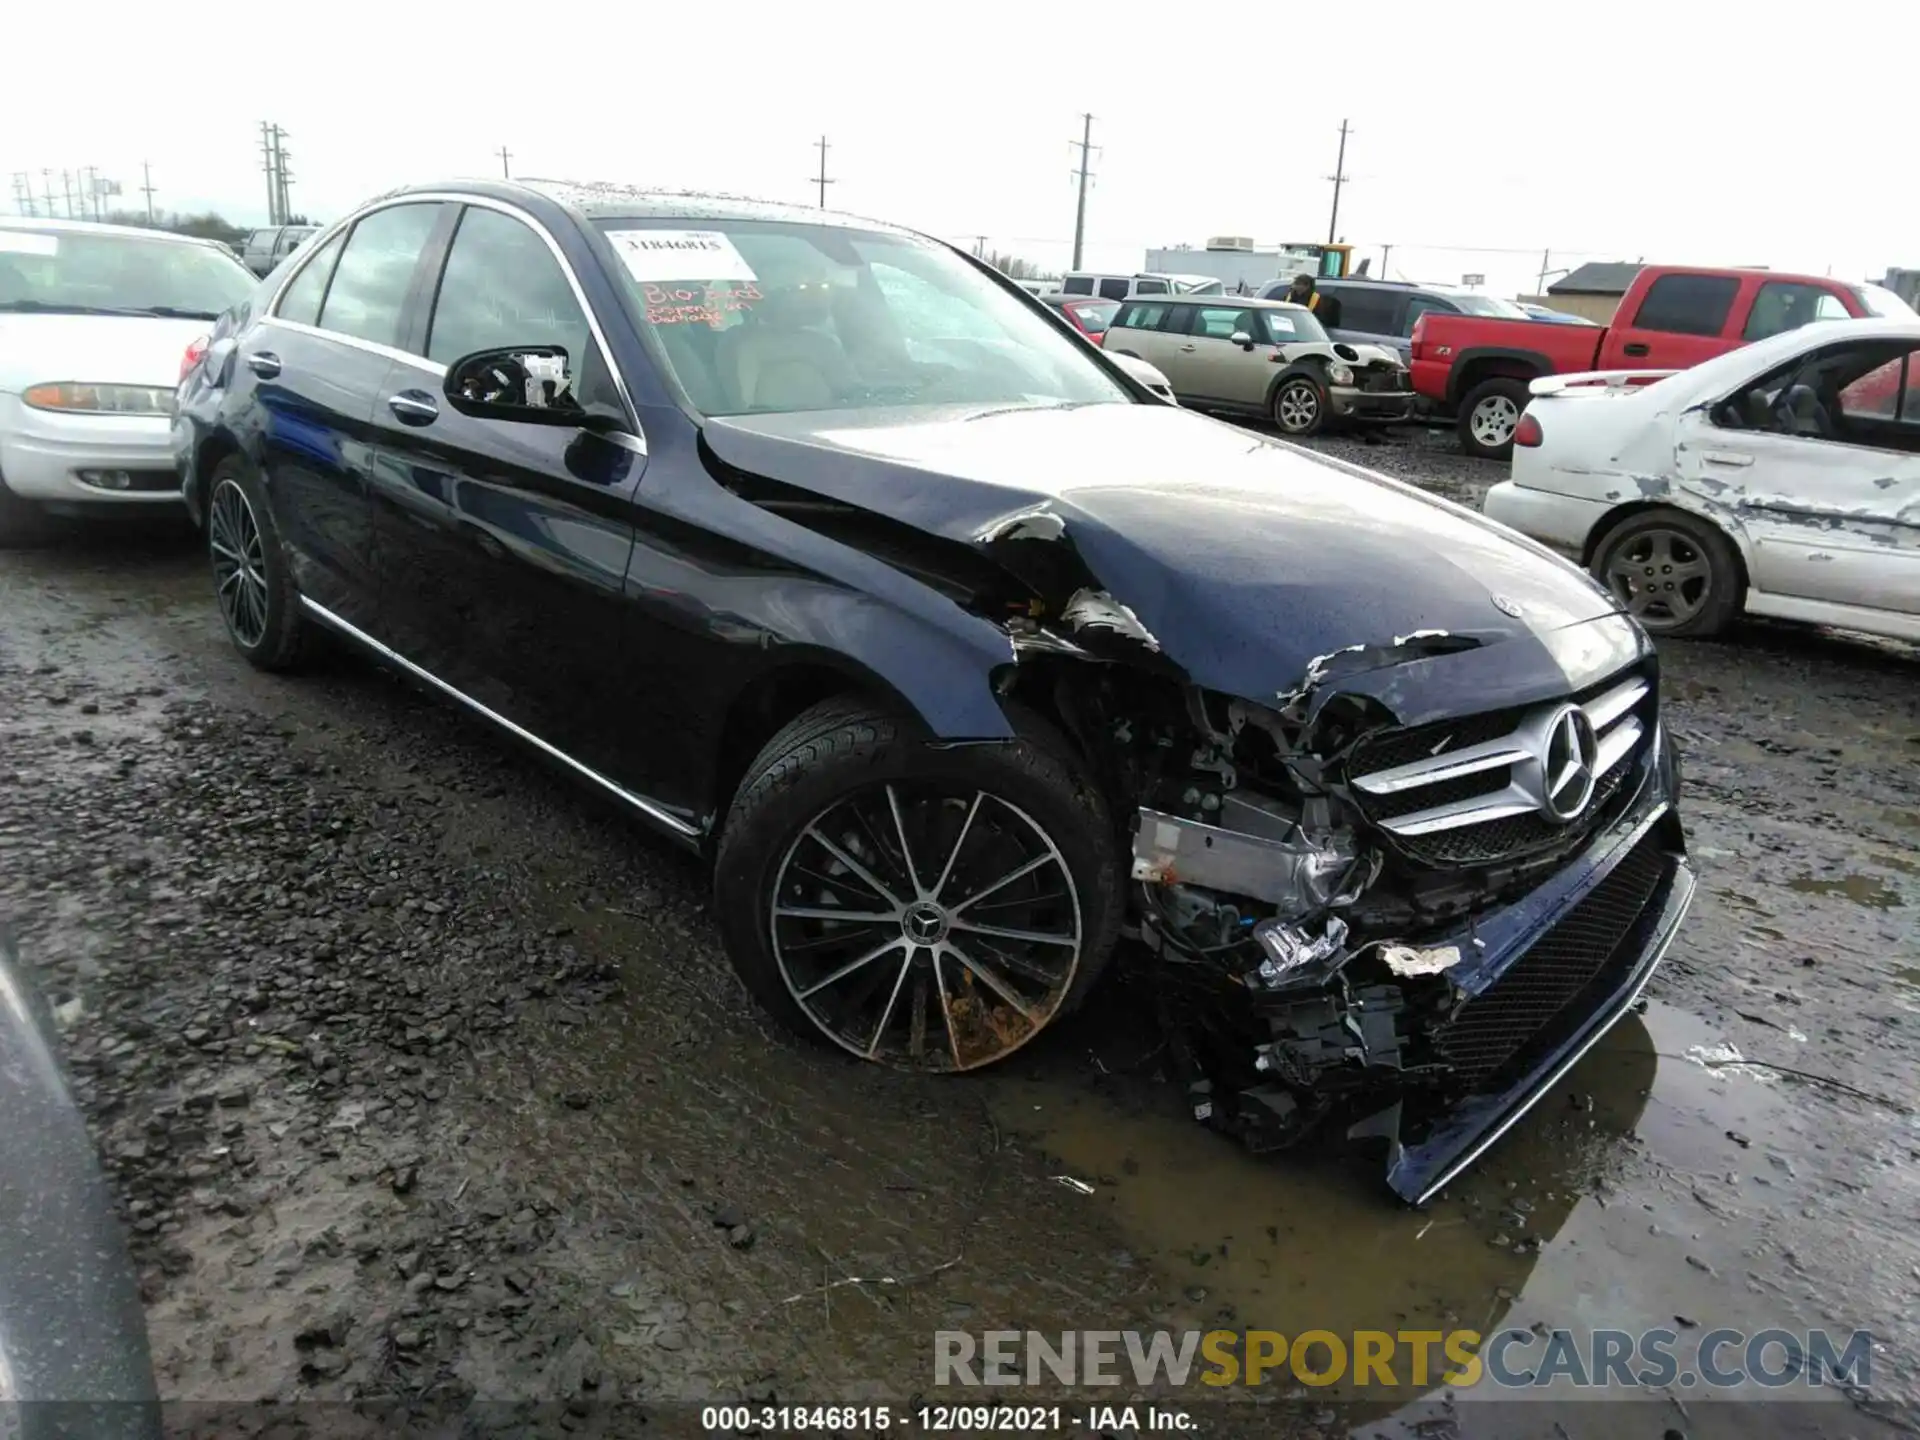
967,661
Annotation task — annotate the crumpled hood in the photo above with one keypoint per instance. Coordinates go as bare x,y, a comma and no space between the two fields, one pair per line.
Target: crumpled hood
93,349
1245,559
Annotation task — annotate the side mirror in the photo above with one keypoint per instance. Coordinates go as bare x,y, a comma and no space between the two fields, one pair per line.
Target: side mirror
1242,339
530,384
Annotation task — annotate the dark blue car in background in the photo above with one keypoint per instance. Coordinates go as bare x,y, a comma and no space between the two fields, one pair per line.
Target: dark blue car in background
969,665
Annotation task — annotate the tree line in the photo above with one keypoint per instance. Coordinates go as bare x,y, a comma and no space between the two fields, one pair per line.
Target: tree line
207,225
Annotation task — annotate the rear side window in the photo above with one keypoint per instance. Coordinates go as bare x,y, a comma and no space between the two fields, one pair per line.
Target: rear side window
1364,308
1687,304
502,287
370,281
300,301
1787,305
1144,315
1077,285
1151,287
1112,287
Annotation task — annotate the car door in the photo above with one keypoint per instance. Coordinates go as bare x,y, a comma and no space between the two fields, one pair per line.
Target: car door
1370,315
1681,320
1223,370
503,545
316,366
1827,518
1148,330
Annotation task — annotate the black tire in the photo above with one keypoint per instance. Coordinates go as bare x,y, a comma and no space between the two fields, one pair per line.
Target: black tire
1490,436
22,522
1673,572
264,621
1299,406
843,758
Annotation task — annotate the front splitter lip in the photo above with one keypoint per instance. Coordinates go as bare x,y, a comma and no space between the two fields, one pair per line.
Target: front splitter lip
1418,1173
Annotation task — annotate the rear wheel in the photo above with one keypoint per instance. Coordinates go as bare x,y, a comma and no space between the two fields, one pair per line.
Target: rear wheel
1300,406
253,582
929,909
1489,415
1675,574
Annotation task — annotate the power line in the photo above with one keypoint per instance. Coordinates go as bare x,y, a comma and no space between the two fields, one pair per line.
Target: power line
821,179
1085,142
1339,178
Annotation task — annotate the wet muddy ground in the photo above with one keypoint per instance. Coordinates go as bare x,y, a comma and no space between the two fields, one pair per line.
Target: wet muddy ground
421,1075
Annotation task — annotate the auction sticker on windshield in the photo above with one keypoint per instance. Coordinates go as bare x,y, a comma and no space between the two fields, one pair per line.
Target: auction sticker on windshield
28,242
680,255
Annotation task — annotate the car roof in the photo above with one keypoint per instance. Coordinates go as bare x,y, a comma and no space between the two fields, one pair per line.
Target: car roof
610,200
1252,302
99,227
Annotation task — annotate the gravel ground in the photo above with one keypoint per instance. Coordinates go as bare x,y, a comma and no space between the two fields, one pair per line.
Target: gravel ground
423,1081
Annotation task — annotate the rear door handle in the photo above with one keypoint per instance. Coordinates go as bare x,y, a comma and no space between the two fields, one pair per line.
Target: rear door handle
1723,457
264,363
1634,349
413,407
1188,349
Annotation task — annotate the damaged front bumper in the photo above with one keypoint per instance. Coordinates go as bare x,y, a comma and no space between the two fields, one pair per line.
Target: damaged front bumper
1642,857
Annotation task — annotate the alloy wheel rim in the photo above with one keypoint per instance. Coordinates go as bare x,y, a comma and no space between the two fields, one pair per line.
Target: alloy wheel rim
924,927
1299,403
1495,419
1661,576
239,564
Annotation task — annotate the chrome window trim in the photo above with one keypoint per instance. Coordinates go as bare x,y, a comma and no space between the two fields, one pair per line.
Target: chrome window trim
319,242
372,347
646,807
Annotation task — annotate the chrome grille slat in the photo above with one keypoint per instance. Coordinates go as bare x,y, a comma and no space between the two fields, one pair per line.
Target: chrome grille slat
1510,767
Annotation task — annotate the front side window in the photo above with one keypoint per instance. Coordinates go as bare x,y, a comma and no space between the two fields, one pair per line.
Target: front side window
1113,287
370,282
1077,285
1489,305
300,301
502,288
1787,305
762,316
1687,304
1426,305
1220,322
93,272
1365,309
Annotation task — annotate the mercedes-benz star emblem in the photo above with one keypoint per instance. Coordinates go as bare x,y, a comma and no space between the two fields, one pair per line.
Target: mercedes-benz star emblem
924,923
1506,606
1569,756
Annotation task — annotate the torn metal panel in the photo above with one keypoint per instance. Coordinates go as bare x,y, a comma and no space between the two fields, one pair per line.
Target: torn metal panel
1298,872
1097,610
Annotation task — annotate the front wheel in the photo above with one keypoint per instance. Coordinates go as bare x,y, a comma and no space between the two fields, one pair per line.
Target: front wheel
1675,574
1489,416
1300,406
932,909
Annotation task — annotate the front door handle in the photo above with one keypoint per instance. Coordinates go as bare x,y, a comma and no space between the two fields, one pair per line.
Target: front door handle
1636,348
264,363
413,407
1188,349
1723,457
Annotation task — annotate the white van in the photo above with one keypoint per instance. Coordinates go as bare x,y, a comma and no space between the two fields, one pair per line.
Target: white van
1123,287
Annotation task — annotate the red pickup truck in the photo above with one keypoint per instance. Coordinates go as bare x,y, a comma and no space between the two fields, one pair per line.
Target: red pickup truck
1477,368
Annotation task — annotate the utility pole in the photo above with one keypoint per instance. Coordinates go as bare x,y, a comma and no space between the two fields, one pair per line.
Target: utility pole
1339,178
89,194
505,155
270,163
146,176
1546,256
46,189
1386,253
821,179
66,190
22,193
284,175
1085,142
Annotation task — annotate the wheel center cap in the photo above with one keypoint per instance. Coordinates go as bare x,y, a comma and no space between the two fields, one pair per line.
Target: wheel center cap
924,922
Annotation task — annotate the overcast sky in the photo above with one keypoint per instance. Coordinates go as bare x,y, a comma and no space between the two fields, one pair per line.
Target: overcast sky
1482,133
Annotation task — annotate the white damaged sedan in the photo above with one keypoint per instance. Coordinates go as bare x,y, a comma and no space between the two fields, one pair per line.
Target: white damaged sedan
1781,479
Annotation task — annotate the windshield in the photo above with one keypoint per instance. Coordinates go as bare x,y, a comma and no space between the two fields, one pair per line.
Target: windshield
1096,315
1293,327
768,317
91,272
1881,301
1488,305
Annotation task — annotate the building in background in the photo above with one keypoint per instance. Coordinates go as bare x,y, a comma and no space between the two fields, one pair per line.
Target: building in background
1242,267
1593,291
1905,284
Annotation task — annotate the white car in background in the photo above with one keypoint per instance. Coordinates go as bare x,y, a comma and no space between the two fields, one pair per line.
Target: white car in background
95,321
1780,479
